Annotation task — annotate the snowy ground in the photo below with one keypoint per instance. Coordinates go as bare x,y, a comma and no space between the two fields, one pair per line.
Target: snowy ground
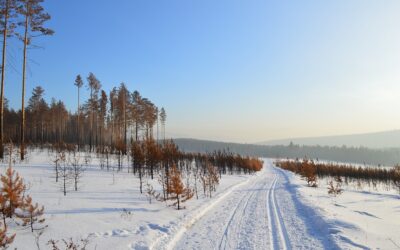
108,207
262,214
270,210
363,219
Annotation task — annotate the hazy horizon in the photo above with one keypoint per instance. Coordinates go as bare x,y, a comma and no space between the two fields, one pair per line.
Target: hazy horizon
229,70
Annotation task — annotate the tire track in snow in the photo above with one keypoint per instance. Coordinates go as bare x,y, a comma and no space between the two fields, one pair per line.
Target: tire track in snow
232,218
251,218
277,232
169,243
250,227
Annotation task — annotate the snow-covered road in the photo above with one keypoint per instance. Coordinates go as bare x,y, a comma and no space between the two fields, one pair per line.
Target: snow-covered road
262,214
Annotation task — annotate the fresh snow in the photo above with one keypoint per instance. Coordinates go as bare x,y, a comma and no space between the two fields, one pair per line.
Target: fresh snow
259,215
358,218
272,209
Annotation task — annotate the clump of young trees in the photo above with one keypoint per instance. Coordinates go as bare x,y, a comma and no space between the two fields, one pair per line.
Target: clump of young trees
69,165
305,168
16,205
182,174
342,173
176,189
335,189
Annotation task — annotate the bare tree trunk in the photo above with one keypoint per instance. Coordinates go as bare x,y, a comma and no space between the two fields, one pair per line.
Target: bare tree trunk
136,131
91,120
125,127
79,128
112,127
157,128
3,67
140,179
64,185
22,149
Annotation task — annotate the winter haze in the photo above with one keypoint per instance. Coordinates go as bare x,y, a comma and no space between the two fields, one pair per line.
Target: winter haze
178,125
294,69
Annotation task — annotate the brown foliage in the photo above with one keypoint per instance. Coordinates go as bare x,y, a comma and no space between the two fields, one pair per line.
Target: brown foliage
210,180
153,155
176,188
369,175
305,168
12,191
5,240
14,203
307,171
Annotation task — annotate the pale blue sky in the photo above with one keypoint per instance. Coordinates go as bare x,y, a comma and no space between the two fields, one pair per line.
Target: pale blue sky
230,70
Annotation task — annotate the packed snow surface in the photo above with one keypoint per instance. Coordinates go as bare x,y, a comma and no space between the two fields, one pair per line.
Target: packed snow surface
272,209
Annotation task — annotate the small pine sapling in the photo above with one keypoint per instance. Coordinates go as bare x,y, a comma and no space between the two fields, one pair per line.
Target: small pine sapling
179,193
64,173
209,179
12,190
333,189
151,193
77,169
31,215
308,173
213,178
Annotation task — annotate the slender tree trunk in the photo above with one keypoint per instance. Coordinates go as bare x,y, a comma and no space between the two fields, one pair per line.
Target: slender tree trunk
136,131
157,128
22,149
3,67
91,120
112,127
56,170
140,179
125,127
64,184
76,182
4,221
79,128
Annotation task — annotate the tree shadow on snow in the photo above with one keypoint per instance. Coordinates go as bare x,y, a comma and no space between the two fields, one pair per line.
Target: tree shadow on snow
316,224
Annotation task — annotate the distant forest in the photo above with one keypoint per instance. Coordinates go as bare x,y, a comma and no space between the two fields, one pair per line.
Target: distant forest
361,155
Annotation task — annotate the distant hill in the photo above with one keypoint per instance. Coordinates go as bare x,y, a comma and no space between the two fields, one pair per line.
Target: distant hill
385,139
362,155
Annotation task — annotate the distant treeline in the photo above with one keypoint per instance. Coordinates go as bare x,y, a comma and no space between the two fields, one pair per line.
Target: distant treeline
361,155
309,170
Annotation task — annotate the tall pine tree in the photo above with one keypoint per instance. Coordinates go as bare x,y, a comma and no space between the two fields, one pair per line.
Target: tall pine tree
33,26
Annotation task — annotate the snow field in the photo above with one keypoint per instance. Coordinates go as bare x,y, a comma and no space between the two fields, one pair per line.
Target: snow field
357,219
273,209
108,207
